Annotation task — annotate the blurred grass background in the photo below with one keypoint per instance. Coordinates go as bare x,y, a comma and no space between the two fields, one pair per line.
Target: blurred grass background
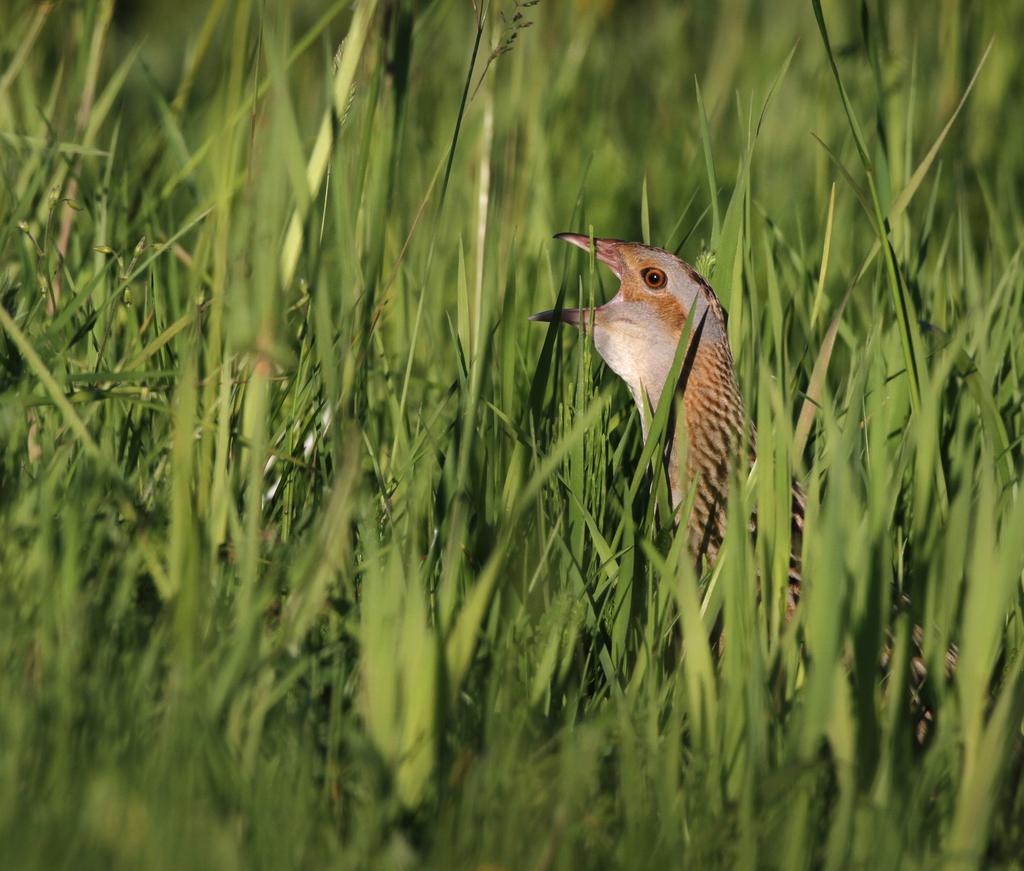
314,551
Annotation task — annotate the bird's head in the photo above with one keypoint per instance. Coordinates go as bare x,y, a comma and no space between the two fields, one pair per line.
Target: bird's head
637,330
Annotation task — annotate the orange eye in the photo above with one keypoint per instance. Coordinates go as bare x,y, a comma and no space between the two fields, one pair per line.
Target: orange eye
654,278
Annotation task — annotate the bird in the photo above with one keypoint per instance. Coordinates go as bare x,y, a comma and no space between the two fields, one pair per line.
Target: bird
637,333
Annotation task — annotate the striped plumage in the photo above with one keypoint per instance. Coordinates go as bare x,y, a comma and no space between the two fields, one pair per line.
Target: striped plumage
637,333
715,428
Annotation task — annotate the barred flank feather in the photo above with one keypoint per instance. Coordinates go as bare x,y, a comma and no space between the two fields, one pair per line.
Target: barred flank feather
637,333
715,430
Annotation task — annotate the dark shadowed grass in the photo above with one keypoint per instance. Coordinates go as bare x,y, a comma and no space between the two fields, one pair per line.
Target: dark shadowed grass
315,551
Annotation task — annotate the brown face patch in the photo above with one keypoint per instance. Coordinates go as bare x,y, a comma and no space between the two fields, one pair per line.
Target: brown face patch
633,289
669,310
633,262
635,259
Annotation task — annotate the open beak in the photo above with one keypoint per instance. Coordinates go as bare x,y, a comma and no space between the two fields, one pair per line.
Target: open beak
605,250
565,316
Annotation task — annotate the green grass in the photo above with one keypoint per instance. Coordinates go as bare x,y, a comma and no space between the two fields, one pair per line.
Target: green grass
314,552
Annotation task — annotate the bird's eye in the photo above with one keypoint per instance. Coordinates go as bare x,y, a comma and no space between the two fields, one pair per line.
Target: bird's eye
654,278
